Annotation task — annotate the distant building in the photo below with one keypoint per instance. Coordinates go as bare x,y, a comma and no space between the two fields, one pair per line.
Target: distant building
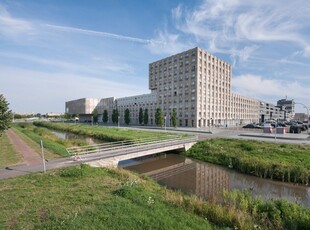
301,117
287,106
83,107
269,111
52,114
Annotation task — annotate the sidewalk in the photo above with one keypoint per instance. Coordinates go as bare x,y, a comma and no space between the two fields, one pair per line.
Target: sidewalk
286,136
230,131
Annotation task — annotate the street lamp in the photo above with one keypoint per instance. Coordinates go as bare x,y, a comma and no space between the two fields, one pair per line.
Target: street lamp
118,121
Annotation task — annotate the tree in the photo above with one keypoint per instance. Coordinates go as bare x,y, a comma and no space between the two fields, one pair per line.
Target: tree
159,117
115,116
6,115
146,117
95,116
174,118
67,116
127,116
105,116
140,116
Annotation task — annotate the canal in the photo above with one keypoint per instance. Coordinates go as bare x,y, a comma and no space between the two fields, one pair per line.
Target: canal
208,180
71,136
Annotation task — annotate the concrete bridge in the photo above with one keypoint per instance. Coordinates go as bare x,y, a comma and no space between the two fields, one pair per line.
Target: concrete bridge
109,154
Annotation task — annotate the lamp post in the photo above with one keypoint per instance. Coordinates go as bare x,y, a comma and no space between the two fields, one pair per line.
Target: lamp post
118,121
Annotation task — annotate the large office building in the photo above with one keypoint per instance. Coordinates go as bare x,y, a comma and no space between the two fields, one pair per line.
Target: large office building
198,85
195,83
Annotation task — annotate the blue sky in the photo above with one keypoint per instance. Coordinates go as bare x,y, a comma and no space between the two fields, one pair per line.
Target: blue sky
52,51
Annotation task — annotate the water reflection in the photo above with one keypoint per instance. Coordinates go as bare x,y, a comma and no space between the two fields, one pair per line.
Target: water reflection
208,180
71,136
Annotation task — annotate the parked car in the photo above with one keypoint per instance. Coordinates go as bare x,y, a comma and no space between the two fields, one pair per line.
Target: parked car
281,124
252,126
304,127
296,129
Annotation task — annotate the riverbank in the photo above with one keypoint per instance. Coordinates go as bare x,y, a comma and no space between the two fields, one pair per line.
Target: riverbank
101,132
82,197
51,142
284,162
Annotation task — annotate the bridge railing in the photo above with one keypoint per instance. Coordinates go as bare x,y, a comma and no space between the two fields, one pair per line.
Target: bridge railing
125,146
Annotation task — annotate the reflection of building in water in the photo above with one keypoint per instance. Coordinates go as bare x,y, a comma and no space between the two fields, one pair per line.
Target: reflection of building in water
183,174
210,181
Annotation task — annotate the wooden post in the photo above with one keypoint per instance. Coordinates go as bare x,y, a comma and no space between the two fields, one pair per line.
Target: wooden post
41,145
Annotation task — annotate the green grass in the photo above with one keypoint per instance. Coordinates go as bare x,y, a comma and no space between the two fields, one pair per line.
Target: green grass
286,162
82,197
103,133
88,198
8,154
34,145
50,141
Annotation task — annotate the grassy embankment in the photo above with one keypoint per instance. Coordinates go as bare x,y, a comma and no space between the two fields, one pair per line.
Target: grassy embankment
8,154
51,142
103,133
285,162
82,197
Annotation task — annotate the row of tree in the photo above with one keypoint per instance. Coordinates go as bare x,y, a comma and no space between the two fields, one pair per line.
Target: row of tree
143,117
160,118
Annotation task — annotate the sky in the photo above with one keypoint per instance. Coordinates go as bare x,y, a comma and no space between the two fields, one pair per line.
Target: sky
52,51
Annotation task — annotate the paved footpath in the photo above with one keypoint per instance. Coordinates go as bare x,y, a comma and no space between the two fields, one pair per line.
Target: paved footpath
32,160
30,156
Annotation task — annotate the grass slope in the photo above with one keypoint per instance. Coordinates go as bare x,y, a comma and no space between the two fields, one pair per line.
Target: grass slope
89,198
50,141
8,154
82,197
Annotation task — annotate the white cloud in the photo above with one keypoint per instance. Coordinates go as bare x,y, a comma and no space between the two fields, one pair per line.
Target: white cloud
13,27
243,54
229,26
97,66
46,92
259,87
168,44
306,51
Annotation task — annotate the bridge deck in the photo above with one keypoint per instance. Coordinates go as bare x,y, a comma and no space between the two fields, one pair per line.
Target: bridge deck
112,153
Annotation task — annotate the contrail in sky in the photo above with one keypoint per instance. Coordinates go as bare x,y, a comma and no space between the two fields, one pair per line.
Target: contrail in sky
99,33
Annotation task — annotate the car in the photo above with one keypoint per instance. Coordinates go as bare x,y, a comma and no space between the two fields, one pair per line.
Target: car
304,127
252,126
281,124
295,129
